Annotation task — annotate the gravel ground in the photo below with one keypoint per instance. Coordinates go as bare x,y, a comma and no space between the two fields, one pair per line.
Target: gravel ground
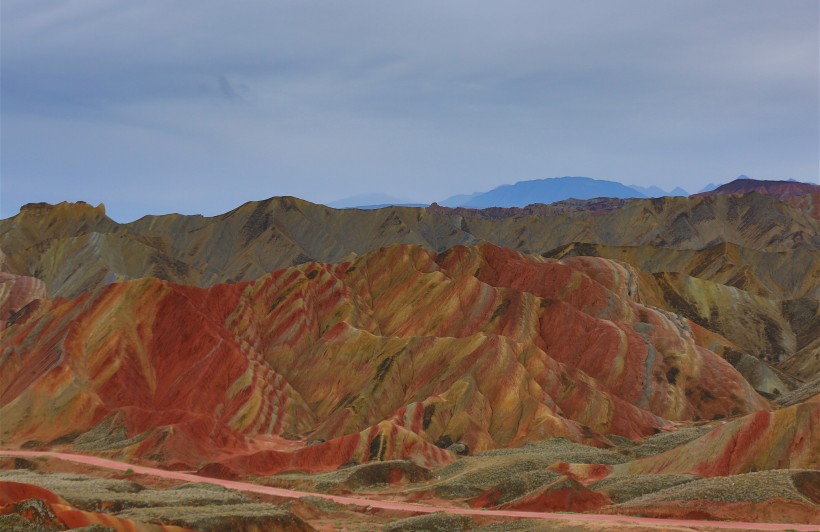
368,477
523,483
561,450
750,487
532,525
799,395
16,523
40,518
217,517
320,503
516,468
523,525
663,441
479,476
435,522
624,488
106,436
89,493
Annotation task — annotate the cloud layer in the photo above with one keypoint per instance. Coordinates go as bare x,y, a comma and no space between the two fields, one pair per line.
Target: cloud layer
197,106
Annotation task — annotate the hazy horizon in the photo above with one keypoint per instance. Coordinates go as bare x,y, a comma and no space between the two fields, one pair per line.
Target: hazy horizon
190,107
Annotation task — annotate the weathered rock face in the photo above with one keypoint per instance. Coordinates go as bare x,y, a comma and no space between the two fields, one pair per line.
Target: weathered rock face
771,275
397,354
783,439
75,247
755,243
16,293
765,304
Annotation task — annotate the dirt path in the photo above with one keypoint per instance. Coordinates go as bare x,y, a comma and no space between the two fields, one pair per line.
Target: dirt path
407,507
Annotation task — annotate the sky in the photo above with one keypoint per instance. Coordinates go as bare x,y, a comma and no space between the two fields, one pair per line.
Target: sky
197,106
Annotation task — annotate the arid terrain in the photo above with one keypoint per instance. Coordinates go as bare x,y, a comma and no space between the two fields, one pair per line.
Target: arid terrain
655,358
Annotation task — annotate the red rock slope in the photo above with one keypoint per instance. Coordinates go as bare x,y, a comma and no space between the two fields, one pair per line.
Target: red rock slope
783,439
16,292
396,354
39,509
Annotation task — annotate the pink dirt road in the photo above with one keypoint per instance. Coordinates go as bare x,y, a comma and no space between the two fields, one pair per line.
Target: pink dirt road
407,507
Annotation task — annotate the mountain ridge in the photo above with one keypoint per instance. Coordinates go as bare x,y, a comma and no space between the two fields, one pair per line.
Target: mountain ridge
279,232
384,321
549,190
622,355
779,189
764,247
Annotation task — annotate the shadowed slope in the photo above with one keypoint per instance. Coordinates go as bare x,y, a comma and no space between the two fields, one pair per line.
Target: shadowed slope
774,275
74,247
766,304
778,189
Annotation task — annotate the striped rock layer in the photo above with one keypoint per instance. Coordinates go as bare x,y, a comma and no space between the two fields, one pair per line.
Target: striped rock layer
766,304
783,439
16,292
76,247
765,247
40,509
395,354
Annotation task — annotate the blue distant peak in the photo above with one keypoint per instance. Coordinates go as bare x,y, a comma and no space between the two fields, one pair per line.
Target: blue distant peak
550,190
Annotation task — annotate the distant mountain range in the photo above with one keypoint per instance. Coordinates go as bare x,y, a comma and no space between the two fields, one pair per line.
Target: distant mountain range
550,190
371,201
657,192
385,205
555,189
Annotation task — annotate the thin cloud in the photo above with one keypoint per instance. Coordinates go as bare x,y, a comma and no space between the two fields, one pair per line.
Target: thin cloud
419,100
227,89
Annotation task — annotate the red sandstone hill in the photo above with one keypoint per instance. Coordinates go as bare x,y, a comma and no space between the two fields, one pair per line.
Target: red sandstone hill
755,243
783,439
395,354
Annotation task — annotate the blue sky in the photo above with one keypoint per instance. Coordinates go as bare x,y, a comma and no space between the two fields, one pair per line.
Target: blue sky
191,106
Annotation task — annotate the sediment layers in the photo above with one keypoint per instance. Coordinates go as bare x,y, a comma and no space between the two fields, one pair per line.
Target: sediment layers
754,243
396,354
75,247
